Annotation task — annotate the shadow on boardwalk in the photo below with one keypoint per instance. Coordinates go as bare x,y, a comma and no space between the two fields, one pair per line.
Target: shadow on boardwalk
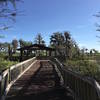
40,82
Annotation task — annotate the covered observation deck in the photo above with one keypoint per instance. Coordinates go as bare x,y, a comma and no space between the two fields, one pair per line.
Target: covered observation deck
36,50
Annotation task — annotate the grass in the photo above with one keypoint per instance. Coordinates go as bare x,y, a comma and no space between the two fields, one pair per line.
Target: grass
4,64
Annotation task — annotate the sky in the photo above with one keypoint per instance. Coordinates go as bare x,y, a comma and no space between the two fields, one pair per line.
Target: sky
49,16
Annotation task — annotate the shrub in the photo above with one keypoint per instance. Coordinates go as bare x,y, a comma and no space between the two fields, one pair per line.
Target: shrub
4,64
84,67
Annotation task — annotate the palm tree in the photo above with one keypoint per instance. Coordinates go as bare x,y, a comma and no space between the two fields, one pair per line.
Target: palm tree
68,43
57,41
39,40
24,43
15,45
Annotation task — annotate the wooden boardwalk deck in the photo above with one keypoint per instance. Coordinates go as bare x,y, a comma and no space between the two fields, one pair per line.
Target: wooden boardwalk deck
40,82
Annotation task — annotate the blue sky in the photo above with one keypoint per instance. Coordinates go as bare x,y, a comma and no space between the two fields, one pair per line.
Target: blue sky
48,16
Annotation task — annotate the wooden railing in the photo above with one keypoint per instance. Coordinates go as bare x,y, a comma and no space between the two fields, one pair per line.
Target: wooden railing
9,76
82,88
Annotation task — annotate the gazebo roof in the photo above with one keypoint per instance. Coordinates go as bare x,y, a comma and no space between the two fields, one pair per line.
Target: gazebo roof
36,47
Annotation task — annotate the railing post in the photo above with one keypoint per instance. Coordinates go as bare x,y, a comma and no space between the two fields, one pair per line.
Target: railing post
83,88
0,86
9,77
64,77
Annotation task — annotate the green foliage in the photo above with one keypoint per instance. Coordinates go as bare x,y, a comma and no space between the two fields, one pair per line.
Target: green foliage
4,64
2,55
14,45
4,47
23,43
39,40
85,67
64,45
57,39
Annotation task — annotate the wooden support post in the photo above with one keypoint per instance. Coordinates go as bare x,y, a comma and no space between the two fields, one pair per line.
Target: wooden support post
36,53
49,53
55,53
27,53
46,53
21,55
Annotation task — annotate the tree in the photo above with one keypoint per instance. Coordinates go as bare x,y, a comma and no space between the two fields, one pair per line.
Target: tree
23,43
39,40
91,52
95,51
64,44
97,24
10,50
68,43
7,11
57,41
75,50
61,42
14,45
4,47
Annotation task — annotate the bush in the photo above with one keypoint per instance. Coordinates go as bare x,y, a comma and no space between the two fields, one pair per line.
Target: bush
4,64
84,67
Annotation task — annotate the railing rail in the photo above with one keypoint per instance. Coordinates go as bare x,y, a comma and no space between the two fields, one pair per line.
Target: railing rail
82,88
9,76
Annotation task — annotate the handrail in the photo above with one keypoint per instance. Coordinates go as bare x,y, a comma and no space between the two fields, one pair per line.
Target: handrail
83,88
9,76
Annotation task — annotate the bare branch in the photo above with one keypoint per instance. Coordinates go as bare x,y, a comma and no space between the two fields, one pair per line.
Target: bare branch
98,36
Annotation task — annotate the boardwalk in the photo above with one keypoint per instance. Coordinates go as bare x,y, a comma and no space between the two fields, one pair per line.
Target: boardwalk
40,82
